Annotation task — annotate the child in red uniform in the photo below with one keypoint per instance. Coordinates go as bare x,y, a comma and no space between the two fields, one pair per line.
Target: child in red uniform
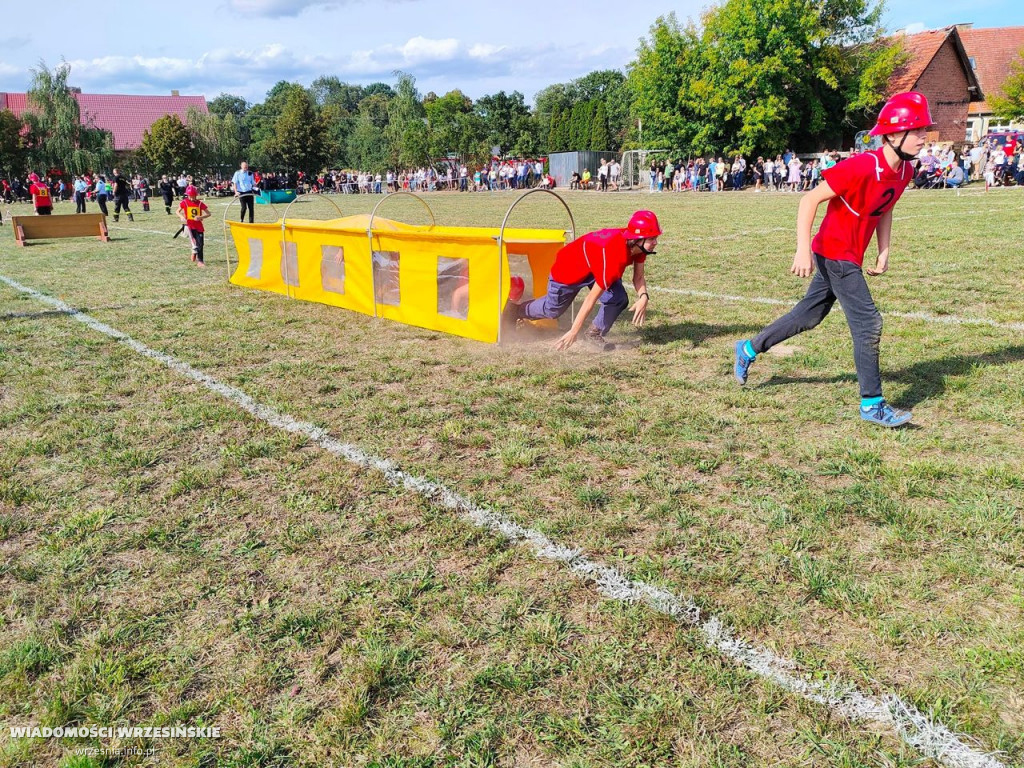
861,192
40,196
597,260
192,211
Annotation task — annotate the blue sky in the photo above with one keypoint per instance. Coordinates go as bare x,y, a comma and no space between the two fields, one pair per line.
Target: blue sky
245,46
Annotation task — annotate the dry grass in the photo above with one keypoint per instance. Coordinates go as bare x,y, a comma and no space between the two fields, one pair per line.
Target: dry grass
165,559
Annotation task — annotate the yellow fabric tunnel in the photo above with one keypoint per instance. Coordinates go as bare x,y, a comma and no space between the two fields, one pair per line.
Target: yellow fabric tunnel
449,279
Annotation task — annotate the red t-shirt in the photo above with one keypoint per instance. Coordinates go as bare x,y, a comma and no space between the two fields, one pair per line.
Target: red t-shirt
865,187
604,255
40,195
192,209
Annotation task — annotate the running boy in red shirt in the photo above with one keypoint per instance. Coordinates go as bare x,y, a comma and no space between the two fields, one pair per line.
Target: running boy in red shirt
41,198
192,211
861,192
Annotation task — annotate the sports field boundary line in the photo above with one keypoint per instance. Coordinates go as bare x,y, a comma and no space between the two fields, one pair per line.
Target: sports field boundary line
924,317
913,727
122,228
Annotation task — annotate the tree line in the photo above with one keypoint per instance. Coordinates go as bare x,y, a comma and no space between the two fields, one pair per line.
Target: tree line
749,76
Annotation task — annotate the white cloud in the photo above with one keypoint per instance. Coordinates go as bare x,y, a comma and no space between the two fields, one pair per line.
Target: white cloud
437,64
484,50
913,29
420,49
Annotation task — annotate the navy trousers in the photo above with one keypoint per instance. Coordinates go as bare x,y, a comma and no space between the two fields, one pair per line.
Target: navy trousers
560,297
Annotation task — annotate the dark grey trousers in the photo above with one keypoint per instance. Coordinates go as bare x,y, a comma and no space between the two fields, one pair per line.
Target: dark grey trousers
833,280
560,296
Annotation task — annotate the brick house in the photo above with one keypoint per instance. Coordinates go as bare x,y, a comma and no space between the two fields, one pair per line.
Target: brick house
939,67
126,117
992,53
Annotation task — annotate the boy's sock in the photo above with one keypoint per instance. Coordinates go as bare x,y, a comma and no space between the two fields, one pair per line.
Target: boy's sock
866,403
748,349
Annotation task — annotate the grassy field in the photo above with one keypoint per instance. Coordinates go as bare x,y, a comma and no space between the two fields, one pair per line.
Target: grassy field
166,559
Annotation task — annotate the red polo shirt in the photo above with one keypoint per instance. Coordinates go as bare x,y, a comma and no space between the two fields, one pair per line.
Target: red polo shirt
865,187
40,195
192,209
603,255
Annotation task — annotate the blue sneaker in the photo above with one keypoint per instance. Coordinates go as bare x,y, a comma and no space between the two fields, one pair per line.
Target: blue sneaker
742,365
885,415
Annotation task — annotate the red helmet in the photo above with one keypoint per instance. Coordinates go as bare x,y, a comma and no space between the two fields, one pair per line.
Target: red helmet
643,224
33,177
903,112
191,191
516,288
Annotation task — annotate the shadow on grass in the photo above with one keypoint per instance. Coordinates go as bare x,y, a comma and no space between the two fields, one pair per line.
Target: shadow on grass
926,379
695,333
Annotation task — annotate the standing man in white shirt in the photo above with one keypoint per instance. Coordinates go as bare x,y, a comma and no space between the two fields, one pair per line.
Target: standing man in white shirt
244,184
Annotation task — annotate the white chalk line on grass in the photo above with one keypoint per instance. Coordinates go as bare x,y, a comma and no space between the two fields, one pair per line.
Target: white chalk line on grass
930,738
924,317
958,213
154,231
161,303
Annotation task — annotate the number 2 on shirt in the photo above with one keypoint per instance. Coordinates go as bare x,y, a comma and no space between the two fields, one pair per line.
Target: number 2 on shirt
887,197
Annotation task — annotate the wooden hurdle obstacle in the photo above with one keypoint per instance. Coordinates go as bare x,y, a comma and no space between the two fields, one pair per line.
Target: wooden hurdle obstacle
52,227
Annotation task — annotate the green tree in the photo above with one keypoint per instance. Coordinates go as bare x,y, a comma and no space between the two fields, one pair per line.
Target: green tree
168,147
505,117
328,90
595,86
580,126
454,125
554,140
12,150
1010,102
300,141
562,132
665,61
217,139
527,144
338,103
600,139
366,148
379,89
57,135
549,101
415,149
228,104
260,121
761,75
403,110
608,86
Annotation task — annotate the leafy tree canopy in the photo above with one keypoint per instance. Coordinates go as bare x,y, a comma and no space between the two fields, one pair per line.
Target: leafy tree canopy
57,137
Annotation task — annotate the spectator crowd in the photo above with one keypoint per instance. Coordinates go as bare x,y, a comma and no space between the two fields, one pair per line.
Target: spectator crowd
997,162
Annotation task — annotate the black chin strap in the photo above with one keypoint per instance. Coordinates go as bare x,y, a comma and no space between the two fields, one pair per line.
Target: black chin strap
640,244
898,148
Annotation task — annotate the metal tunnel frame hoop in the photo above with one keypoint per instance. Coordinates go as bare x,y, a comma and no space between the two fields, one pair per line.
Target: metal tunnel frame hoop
227,234
284,224
369,233
501,237
227,229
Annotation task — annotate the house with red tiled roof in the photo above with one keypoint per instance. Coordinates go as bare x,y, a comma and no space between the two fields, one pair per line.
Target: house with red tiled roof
938,66
126,117
992,53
